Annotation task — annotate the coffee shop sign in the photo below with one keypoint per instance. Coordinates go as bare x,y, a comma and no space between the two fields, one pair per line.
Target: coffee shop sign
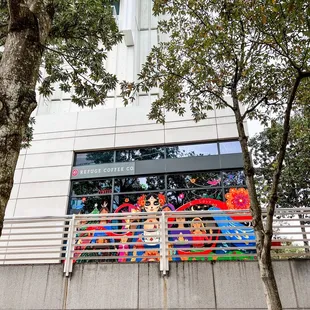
103,170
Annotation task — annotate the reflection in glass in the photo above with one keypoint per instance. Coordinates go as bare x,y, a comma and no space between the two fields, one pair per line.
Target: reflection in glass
87,205
127,198
94,158
148,183
194,180
231,147
179,198
234,178
150,153
192,150
92,187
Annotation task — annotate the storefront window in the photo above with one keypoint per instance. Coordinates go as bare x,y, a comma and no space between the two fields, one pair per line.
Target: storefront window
234,178
126,198
157,152
89,204
194,180
180,151
231,147
94,158
140,154
178,189
92,187
179,198
148,183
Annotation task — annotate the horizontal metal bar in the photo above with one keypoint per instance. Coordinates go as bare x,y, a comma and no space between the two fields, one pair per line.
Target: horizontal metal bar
37,227
36,239
31,259
35,252
32,246
34,233
116,258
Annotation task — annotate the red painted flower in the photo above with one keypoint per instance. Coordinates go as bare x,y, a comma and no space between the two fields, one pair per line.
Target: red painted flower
161,199
238,199
141,201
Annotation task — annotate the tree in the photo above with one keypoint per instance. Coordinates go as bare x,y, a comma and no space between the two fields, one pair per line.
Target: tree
255,51
70,39
294,187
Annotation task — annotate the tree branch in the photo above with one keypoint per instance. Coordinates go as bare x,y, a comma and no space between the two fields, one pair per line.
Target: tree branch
280,158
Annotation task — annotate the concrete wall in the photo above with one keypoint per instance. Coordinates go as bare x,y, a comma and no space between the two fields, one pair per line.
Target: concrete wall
196,285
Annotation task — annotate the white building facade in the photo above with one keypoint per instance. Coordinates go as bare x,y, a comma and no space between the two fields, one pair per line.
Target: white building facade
45,180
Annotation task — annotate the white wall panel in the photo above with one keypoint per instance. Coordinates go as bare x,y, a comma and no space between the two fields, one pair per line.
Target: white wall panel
43,107
133,116
10,208
124,62
95,132
139,138
17,175
74,107
145,101
109,103
226,120
52,123
189,123
145,6
172,116
46,174
44,189
120,104
154,38
65,105
144,47
96,119
111,60
54,135
227,131
224,112
48,159
154,19
94,142
139,128
20,161
190,134
46,146
51,206
14,191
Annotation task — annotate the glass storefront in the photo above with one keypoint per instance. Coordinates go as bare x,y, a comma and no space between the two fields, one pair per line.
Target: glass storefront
178,188
157,152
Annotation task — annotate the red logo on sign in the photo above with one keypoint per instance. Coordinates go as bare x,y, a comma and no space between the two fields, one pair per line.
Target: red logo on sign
75,172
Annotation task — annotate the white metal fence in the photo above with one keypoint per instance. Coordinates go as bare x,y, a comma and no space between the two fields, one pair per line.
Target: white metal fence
143,237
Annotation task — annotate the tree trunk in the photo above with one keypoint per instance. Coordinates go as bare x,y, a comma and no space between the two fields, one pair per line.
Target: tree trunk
19,69
263,240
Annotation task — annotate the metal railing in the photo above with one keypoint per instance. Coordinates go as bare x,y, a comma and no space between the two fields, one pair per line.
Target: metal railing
143,237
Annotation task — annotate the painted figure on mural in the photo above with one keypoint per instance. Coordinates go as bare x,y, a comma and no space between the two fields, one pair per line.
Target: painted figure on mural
84,236
199,236
182,236
101,240
151,233
131,224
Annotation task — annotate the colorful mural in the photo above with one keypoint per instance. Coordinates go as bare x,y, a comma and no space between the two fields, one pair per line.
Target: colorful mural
211,236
